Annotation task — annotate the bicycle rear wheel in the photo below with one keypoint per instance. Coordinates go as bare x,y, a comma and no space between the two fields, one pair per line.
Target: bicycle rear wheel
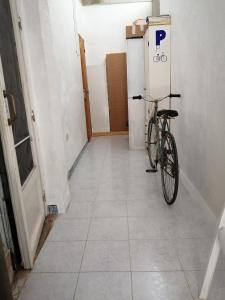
169,168
152,143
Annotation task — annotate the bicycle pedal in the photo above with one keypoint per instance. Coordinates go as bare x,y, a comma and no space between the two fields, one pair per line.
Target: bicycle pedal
151,171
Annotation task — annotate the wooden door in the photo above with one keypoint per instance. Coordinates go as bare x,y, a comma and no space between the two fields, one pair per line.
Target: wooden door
85,88
116,69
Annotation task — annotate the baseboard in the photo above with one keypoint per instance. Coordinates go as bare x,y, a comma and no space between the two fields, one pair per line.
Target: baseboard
195,192
70,172
109,133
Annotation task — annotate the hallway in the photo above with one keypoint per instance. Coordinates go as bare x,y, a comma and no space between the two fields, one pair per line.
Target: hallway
119,240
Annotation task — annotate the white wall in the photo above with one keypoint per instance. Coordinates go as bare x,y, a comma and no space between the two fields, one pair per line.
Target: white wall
136,86
165,7
198,73
155,8
54,79
69,78
103,28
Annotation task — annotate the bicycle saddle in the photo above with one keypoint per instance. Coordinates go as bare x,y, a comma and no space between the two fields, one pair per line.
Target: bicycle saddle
167,113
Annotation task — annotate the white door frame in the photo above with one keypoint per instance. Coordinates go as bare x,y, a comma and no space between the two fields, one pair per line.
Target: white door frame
9,152
25,84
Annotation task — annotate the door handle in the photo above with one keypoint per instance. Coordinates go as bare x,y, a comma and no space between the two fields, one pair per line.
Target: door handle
12,117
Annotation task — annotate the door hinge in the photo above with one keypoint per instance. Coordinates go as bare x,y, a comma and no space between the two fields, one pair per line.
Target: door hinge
20,23
6,105
44,197
33,116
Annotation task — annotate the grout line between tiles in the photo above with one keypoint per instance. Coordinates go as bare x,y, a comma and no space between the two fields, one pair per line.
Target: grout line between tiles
119,271
188,284
183,270
131,278
97,190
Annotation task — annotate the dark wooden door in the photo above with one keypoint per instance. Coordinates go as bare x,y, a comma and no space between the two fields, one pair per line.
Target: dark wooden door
85,88
116,69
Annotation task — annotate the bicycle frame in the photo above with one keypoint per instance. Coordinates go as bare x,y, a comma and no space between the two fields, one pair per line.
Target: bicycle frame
162,125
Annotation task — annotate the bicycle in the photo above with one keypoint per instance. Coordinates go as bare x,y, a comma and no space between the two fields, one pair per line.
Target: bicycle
162,148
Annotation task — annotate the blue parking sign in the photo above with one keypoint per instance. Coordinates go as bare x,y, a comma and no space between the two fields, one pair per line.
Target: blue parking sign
160,35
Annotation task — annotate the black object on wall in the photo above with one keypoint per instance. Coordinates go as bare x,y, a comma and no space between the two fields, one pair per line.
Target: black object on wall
5,290
15,253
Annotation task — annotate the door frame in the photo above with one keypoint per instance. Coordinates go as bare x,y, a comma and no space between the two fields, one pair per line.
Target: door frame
13,178
7,142
25,84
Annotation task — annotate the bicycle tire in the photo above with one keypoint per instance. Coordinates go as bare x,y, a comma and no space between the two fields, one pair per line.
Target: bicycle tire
169,168
152,144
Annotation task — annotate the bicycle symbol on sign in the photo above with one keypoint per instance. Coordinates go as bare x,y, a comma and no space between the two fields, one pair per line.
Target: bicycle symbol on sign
157,58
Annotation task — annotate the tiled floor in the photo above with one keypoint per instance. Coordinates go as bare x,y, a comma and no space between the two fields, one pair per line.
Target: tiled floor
120,241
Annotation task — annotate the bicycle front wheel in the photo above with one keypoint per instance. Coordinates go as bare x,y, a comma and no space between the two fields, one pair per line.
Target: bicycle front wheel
169,168
152,143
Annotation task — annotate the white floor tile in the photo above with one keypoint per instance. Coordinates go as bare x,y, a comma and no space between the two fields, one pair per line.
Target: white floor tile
70,230
154,255
109,209
114,229
80,210
50,286
160,286
83,194
106,256
109,196
196,228
116,186
86,182
194,253
149,208
60,257
104,286
147,191
151,228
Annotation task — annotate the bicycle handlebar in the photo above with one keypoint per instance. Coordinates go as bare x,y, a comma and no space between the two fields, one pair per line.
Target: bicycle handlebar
174,95
140,97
